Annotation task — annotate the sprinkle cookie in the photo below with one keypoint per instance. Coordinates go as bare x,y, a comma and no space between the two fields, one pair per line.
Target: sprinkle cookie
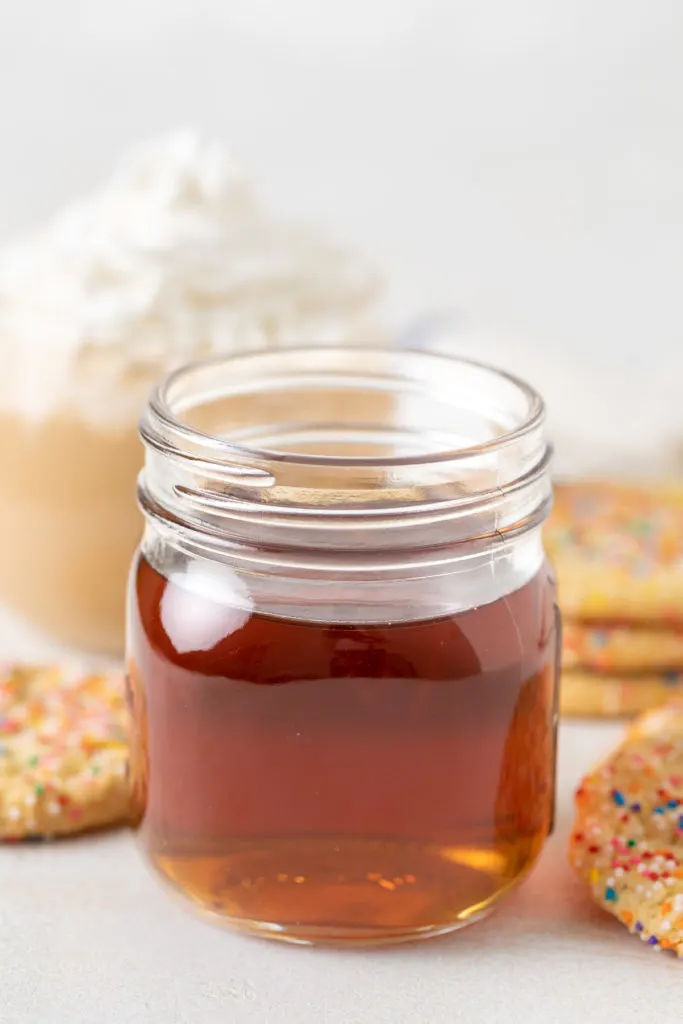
63,752
590,694
619,649
618,552
627,841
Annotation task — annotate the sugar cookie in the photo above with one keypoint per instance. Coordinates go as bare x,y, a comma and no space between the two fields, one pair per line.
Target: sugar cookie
604,696
63,752
627,840
618,552
620,649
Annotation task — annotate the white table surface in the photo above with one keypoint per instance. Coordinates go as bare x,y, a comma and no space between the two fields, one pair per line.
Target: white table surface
89,937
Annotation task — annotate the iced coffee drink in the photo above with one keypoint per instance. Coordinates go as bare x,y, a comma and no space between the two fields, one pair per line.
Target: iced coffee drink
172,259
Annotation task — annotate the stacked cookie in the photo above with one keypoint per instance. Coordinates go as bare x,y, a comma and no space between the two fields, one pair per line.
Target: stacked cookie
618,554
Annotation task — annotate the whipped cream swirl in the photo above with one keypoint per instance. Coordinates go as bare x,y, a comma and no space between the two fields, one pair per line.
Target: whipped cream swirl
171,259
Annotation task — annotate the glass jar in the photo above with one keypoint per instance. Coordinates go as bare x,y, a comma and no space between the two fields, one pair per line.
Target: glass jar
343,641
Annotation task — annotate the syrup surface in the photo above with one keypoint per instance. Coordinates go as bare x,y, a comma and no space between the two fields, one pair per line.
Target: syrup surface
337,782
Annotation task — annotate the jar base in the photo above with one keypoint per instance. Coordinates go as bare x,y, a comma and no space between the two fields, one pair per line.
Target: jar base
347,938
344,891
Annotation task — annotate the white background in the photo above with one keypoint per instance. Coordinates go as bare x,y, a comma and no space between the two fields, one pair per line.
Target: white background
521,161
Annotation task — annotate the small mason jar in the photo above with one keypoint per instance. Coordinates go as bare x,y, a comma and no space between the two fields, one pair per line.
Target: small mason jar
343,641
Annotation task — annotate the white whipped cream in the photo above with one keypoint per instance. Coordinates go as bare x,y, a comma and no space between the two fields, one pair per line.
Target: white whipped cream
172,258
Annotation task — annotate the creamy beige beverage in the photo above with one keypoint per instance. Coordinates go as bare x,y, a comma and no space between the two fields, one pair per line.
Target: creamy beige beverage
173,258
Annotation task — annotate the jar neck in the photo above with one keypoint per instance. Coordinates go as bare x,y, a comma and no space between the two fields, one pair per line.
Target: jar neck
354,591
370,461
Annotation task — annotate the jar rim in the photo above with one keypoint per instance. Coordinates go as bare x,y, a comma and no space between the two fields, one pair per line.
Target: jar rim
161,407
432,494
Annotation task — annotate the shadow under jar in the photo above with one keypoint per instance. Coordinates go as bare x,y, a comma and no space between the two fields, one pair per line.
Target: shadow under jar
342,641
